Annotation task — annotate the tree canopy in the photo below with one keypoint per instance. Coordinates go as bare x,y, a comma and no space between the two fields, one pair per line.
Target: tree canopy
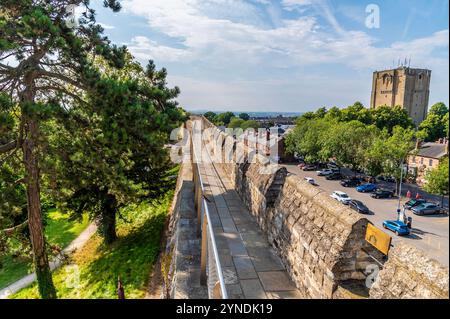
210,116
244,116
80,121
435,125
437,179
223,118
356,137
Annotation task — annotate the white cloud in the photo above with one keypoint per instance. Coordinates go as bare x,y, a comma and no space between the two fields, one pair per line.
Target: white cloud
216,36
294,3
106,26
297,42
146,49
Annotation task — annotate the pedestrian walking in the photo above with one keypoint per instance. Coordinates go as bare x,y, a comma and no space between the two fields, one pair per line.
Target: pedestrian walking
408,194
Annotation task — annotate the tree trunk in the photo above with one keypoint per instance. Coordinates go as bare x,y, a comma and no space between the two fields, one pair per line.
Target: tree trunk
43,274
108,220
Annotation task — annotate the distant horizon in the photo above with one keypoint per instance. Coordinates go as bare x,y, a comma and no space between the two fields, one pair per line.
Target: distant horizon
248,112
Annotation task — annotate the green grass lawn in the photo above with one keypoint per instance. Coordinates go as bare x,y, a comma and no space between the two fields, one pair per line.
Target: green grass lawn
59,231
94,269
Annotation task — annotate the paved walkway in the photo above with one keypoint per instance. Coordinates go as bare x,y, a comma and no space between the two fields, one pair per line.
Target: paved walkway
251,267
56,263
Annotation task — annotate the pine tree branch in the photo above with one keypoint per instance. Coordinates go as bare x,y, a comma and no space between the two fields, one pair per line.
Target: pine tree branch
61,77
8,147
11,230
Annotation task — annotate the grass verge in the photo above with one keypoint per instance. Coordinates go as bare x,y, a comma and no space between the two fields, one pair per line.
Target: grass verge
92,271
60,231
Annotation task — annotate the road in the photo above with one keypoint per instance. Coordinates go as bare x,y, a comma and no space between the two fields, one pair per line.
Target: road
429,233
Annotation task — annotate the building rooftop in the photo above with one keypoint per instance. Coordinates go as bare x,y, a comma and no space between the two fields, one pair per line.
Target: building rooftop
432,150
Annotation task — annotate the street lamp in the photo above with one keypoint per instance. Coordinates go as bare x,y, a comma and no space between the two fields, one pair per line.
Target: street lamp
402,167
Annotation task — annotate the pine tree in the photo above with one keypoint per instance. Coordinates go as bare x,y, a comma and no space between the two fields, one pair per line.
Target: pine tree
111,149
44,66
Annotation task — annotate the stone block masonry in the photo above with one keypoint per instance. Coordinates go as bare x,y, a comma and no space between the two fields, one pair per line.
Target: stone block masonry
320,241
409,273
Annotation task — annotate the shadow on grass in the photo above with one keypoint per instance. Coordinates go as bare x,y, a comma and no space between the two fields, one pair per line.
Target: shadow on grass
130,258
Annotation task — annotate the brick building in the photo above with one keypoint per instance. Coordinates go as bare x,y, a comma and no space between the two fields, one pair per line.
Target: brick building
425,157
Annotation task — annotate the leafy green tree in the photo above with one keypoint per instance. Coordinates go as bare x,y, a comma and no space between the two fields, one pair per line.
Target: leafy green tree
374,156
440,109
236,123
435,124
51,67
250,124
396,148
320,112
210,116
307,116
244,116
307,138
223,118
347,142
357,112
437,180
386,117
334,114
432,128
445,119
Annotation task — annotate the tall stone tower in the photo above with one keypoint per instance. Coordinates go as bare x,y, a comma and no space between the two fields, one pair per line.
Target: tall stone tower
404,86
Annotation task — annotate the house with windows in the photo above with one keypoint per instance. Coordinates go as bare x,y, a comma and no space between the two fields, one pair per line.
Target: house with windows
425,157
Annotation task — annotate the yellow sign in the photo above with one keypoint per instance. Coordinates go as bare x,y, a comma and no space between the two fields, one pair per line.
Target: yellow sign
378,239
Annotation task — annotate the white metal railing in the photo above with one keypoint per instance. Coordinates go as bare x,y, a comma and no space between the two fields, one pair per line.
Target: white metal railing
210,267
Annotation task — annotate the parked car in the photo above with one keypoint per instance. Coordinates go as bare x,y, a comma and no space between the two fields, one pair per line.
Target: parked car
414,202
341,197
309,167
334,176
366,188
333,166
358,206
426,209
311,181
398,227
388,179
325,172
321,165
382,193
350,182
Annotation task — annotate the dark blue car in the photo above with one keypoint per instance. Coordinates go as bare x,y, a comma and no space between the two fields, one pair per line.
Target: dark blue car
369,187
398,227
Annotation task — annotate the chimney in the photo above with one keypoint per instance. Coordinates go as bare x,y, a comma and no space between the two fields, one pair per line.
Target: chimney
418,143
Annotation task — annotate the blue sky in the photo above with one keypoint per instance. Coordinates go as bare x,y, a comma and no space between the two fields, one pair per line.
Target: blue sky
284,55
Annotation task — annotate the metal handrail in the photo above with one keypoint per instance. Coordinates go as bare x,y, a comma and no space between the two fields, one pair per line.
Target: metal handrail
206,222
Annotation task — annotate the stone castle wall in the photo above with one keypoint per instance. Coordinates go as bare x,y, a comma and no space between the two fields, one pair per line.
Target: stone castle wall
320,241
409,273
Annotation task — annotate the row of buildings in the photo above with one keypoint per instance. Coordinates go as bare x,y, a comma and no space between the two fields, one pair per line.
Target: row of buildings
403,86
425,157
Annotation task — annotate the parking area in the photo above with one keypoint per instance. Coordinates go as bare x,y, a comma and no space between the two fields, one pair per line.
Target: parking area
429,233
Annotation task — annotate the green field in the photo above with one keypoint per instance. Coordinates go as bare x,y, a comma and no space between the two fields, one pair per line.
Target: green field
59,231
94,269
